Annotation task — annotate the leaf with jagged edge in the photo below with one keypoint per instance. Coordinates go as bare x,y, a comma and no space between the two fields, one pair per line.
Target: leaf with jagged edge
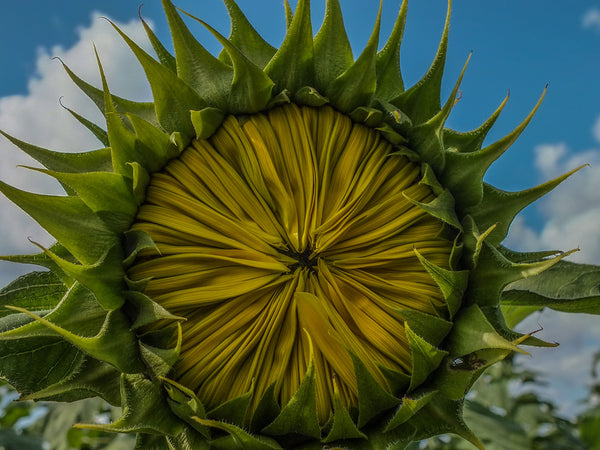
421,102
565,287
389,77
438,416
356,85
233,411
238,438
145,110
173,98
196,66
427,136
35,291
92,379
333,53
145,409
500,207
468,188
425,358
372,397
165,58
410,405
65,162
471,141
29,378
160,359
495,272
157,147
102,192
452,283
68,219
104,277
266,411
299,415
97,131
292,66
342,426
250,89
431,328
246,38
206,121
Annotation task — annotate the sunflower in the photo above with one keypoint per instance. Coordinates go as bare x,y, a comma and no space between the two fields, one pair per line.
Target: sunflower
286,248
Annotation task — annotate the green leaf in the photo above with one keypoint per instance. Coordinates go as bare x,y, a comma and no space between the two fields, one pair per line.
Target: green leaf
372,397
566,287
425,358
500,207
422,101
32,364
250,88
206,121
356,85
35,291
452,283
65,162
233,411
173,98
472,141
196,67
333,53
93,379
100,134
102,192
467,186
165,58
389,76
409,407
238,438
267,410
145,110
246,38
299,415
185,404
68,219
292,66
145,409
343,427
472,332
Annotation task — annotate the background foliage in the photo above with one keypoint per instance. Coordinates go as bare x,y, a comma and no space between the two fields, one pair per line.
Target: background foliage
501,409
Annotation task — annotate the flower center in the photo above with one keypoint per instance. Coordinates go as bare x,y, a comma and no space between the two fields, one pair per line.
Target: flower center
288,239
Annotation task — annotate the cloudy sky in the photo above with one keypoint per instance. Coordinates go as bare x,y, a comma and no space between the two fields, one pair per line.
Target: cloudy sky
516,47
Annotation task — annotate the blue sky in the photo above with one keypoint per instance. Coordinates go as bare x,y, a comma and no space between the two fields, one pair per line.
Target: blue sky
517,46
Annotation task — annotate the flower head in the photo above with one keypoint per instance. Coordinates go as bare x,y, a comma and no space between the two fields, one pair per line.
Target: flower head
286,247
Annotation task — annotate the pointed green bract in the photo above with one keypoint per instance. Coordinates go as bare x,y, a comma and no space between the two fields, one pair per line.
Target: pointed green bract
422,101
300,414
250,88
88,325
389,77
173,98
356,86
333,54
246,38
292,67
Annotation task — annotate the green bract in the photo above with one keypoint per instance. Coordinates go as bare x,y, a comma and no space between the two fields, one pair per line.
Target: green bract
95,325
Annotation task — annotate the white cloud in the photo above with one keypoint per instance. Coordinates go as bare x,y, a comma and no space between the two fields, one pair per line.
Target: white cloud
567,367
596,129
591,19
572,210
38,118
572,215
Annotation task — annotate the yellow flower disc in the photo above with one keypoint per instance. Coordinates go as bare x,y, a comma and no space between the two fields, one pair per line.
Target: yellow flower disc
290,235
